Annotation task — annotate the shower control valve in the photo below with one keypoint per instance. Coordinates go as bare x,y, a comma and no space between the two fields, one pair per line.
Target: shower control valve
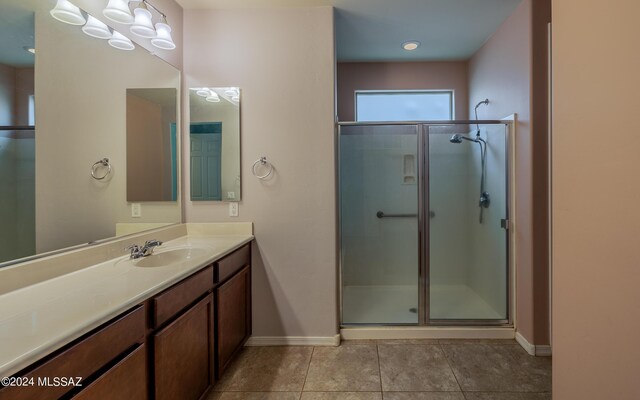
485,200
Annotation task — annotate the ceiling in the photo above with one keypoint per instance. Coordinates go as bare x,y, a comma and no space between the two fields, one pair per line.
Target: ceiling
16,32
373,30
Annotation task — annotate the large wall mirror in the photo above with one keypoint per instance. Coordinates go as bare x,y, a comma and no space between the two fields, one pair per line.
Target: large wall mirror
214,134
63,110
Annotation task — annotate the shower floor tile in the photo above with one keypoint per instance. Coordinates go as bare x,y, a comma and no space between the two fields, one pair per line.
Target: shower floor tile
396,304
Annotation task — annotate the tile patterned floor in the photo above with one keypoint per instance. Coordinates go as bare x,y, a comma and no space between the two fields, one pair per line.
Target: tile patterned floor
388,370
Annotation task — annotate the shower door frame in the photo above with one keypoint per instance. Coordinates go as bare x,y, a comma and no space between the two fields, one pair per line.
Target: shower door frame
423,132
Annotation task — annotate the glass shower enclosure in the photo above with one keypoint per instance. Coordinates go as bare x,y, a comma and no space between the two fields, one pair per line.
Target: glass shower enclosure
423,219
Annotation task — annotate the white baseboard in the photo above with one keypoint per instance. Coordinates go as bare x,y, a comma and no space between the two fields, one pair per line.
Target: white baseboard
426,332
293,341
532,349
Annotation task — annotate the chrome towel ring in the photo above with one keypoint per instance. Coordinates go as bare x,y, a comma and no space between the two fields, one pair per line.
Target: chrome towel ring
262,161
100,164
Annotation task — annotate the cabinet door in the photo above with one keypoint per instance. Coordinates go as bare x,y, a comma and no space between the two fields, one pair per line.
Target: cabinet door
183,354
125,380
233,317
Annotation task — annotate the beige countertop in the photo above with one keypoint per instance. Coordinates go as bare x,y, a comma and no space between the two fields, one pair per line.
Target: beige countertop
38,319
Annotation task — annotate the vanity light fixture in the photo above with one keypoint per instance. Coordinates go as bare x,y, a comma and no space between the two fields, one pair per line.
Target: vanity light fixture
213,97
231,92
203,92
121,42
66,12
142,23
96,28
118,11
163,39
411,45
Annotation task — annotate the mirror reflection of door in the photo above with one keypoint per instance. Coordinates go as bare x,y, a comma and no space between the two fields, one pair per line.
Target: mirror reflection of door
206,160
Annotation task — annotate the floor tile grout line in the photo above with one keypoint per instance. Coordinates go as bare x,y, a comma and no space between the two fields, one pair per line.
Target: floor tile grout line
313,350
444,353
379,368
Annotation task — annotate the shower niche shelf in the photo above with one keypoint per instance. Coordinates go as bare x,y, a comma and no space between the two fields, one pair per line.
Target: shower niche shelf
409,169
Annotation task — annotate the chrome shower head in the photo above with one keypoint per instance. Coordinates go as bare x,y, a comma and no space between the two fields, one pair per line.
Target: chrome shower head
456,139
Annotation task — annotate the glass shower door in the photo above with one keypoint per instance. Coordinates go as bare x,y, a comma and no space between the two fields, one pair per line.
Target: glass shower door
378,178
468,268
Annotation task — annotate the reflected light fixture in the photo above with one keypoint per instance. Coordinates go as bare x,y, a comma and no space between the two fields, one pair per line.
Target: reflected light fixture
142,24
96,28
120,41
411,45
66,12
203,92
213,97
231,92
163,39
118,11
30,49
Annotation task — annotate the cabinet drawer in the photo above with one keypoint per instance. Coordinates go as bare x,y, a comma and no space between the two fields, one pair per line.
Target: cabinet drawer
125,380
173,300
83,358
232,263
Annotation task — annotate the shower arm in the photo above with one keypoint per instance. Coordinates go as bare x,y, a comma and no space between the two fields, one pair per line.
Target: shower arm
475,110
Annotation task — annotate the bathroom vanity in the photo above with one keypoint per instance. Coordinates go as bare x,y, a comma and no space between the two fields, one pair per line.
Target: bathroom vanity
173,343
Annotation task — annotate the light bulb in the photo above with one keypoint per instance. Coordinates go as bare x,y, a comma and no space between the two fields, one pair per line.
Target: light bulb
121,42
66,12
96,28
118,11
163,39
142,25
213,98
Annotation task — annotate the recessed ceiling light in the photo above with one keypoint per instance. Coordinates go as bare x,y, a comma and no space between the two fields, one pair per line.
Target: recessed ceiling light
410,45
30,49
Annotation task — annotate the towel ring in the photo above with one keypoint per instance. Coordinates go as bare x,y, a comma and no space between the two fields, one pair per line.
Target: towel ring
263,162
100,163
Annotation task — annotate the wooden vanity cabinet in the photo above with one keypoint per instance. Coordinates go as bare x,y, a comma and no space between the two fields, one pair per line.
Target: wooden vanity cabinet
172,346
183,354
233,306
90,358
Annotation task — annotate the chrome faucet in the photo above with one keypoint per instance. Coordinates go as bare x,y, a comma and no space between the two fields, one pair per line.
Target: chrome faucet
145,250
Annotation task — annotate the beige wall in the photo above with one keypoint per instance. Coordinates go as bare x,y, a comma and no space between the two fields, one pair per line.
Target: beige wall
7,94
596,219
401,76
282,59
16,85
506,70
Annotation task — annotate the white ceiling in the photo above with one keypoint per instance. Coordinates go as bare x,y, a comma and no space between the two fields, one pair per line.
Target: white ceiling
373,30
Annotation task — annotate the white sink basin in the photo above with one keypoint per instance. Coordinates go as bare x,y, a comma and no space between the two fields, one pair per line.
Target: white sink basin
169,256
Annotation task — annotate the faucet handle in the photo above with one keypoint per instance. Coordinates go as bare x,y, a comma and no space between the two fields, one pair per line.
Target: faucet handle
153,243
132,248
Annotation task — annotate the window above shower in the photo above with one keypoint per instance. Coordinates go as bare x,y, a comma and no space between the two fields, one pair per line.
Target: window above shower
404,105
